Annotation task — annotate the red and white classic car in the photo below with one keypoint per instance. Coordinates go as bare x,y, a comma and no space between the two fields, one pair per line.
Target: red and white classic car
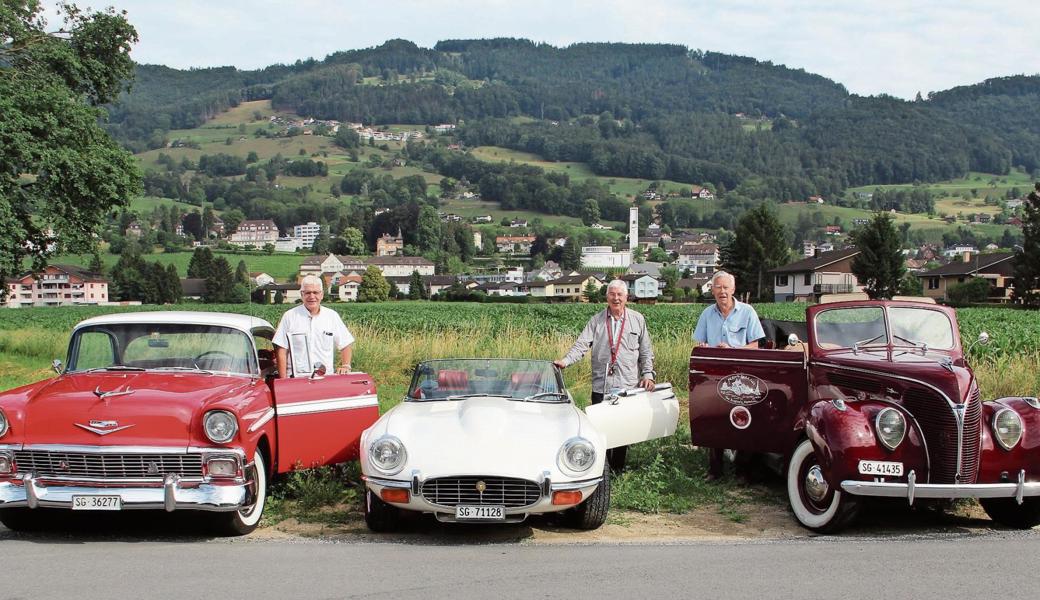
880,402
171,411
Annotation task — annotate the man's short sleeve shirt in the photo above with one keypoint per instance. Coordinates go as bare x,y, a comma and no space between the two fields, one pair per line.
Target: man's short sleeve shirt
740,328
311,340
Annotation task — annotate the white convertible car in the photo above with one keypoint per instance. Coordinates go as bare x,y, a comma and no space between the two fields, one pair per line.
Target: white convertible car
495,440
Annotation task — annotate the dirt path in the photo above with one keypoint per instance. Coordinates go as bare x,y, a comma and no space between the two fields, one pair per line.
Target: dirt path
706,524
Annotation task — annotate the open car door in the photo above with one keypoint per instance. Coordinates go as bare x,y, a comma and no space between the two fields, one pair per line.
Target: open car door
747,399
636,416
320,420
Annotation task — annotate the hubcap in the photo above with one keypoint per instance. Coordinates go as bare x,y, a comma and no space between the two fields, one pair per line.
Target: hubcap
815,485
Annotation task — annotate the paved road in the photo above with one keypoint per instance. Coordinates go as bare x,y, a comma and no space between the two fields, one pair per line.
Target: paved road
947,566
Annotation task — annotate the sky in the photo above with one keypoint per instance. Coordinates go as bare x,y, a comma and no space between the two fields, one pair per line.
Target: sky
895,47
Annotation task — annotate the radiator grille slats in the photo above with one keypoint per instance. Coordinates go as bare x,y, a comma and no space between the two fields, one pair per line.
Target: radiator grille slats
46,463
937,419
499,491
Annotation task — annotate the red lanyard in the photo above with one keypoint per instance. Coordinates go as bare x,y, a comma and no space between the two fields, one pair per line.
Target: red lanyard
615,346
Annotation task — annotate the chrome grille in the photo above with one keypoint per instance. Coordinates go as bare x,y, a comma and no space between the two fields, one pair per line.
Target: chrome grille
499,491
939,426
46,463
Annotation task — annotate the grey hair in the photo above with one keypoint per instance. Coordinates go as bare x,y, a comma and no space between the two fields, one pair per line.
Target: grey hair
617,283
312,280
720,274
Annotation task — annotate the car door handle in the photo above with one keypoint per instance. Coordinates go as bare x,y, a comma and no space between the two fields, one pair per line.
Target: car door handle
696,372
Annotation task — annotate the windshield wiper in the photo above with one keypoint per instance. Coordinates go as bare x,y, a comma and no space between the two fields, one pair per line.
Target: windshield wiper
537,397
195,369
114,368
860,344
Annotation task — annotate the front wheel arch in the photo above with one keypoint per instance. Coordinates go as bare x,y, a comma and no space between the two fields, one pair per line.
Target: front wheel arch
817,503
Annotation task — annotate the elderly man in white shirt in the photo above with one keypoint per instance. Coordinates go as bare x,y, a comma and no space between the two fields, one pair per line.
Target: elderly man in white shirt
308,333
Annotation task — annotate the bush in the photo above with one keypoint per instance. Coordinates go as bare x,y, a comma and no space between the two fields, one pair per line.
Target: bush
974,290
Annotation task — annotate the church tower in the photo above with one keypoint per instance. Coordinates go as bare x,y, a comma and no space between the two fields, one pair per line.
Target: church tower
633,229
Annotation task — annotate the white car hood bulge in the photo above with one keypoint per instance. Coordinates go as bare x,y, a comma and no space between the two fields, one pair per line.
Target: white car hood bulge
483,436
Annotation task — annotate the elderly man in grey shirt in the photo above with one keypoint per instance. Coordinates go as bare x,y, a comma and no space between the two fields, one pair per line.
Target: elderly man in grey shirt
622,355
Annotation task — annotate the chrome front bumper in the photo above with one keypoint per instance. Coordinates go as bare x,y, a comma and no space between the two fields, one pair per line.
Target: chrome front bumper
172,494
446,514
911,489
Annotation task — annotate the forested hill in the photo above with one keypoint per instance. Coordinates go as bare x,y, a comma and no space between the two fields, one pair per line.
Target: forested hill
643,110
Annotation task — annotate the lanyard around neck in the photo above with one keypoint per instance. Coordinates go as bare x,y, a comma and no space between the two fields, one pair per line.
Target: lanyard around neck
615,345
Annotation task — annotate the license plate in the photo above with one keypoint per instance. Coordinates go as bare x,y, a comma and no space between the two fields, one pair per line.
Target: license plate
480,513
880,468
97,503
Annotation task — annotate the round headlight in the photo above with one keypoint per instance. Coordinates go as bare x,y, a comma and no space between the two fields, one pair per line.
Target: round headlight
1007,428
578,454
3,424
387,454
220,425
890,427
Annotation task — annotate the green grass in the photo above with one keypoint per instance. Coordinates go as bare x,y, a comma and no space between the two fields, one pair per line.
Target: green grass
144,205
279,265
984,183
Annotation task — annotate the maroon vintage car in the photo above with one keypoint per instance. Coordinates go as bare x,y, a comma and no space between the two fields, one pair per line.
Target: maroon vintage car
878,402
171,411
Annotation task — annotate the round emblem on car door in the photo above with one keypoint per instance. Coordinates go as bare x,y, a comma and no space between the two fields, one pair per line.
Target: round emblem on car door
742,389
740,417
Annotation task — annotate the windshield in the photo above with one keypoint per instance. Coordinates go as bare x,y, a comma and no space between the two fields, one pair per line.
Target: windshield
151,346
530,380
864,327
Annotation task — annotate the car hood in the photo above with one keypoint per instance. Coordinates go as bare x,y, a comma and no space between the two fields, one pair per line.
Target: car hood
159,410
481,436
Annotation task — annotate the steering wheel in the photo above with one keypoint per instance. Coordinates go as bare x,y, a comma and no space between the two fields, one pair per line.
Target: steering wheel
215,355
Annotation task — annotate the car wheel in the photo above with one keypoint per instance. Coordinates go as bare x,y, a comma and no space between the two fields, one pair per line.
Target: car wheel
592,513
22,519
1010,513
816,503
245,520
380,516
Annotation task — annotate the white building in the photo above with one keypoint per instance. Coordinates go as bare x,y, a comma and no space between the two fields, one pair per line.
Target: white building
604,257
255,233
699,258
307,233
289,244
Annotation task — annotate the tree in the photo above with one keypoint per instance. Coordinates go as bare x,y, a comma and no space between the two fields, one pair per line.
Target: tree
96,266
353,241
416,289
570,260
279,297
374,287
879,265
590,212
242,274
428,229
322,243
1027,259
758,246
975,289
61,174
175,293
219,282
201,263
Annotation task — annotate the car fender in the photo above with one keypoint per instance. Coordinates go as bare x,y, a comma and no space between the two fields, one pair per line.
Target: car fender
997,464
842,433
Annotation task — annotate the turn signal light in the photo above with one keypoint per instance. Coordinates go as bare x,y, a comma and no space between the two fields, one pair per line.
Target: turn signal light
397,495
565,498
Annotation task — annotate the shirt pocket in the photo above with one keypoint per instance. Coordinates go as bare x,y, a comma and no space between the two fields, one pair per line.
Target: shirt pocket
630,340
736,329
325,342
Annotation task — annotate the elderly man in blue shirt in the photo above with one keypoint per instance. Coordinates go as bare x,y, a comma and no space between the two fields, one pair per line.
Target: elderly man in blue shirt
729,323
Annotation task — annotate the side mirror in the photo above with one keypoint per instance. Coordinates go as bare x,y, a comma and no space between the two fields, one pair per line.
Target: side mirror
318,372
57,366
793,339
983,338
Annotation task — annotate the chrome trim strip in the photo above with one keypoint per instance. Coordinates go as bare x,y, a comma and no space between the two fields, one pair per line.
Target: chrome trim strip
264,418
131,449
10,447
201,497
390,483
792,363
318,406
575,485
113,482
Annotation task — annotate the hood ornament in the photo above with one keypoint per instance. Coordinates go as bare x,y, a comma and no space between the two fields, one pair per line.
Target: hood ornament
103,427
106,395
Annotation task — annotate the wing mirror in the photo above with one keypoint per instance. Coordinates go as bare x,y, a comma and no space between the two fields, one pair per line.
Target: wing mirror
793,339
983,338
318,372
57,366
